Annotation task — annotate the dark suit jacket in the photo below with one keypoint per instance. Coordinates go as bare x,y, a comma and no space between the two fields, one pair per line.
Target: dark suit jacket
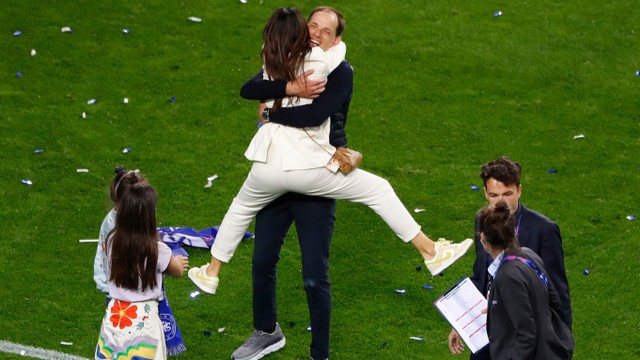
523,320
541,235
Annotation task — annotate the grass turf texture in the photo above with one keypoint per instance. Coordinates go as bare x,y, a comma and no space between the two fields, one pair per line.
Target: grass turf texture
440,88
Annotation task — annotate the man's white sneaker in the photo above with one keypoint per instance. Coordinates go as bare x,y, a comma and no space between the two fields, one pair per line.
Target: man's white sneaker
206,283
446,254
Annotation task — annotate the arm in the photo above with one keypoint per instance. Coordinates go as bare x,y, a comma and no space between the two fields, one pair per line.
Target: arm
552,255
259,89
479,277
177,266
326,61
338,91
513,286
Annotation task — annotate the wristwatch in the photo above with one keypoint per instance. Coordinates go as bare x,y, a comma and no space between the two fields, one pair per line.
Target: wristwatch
265,114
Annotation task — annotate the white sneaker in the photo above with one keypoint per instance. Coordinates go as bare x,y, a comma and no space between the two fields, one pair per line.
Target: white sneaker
446,254
206,283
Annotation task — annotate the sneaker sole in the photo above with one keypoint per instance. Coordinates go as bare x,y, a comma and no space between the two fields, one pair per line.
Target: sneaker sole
193,275
266,351
445,264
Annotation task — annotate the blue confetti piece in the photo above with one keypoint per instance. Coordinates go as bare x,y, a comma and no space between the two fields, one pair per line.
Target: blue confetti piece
19,74
638,73
126,150
427,287
586,272
419,268
126,31
173,99
474,188
552,171
631,217
207,333
38,151
497,13
17,33
27,182
400,291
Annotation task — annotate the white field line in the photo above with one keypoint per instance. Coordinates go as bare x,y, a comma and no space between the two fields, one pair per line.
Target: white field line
35,352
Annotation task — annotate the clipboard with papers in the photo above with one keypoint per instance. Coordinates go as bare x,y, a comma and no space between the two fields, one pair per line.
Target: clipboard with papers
462,306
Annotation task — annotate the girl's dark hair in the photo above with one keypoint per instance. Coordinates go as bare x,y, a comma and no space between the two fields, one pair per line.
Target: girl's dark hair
498,226
122,181
134,247
285,45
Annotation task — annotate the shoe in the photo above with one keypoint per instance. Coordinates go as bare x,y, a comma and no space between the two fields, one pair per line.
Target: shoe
260,344
446,254
206,283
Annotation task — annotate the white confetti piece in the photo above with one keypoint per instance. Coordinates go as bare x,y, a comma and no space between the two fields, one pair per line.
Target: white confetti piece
126,100
416,338
221,330
210,180
33,52
91,101
88,240
82,170
84,115
579,136
66,29
419,210
194,19
66,343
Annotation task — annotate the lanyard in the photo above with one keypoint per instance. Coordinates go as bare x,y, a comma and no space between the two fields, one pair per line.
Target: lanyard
531,264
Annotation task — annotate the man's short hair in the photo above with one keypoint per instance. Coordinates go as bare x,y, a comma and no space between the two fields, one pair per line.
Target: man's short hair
502,169
340,27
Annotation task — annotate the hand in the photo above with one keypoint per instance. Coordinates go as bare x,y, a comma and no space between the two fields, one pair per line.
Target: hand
305,87
183,261
260,108
455,343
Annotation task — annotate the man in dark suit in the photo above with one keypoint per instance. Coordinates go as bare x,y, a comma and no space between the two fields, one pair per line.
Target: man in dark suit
501,179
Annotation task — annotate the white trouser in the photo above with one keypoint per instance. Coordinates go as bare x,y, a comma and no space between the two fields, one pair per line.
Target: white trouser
267,181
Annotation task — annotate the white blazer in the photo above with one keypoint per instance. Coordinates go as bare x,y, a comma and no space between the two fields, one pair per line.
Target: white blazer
306,148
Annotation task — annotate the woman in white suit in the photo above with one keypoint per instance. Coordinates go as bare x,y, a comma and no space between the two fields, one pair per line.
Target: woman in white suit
287,159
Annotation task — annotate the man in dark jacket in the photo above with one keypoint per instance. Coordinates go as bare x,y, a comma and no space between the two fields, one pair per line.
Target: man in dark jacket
501,179
314,216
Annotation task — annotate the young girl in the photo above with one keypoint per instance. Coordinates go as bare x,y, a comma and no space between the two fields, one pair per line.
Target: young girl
287,159
137,261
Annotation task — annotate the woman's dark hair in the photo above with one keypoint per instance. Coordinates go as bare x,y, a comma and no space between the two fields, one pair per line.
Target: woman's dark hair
122,181
285,45
134,247
499,229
